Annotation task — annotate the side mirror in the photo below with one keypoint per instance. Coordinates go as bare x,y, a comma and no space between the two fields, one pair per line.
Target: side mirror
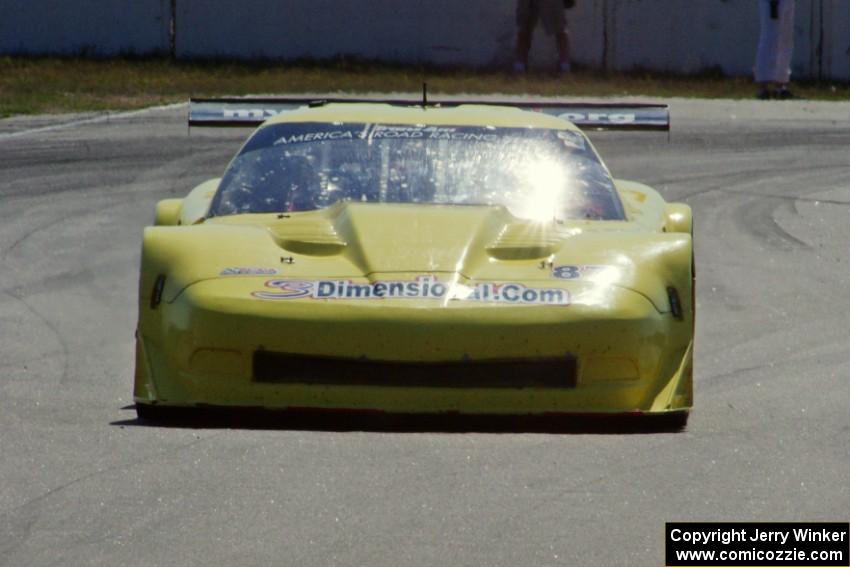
678,218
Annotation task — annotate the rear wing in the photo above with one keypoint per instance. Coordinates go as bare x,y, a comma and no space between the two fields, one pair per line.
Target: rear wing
251,111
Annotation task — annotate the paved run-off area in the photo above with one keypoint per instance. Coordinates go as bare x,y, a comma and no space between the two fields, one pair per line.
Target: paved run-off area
83,483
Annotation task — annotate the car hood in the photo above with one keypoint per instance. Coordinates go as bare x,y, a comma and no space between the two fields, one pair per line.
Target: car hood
376,242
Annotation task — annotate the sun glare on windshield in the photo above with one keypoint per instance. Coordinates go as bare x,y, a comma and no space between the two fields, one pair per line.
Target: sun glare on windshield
547,181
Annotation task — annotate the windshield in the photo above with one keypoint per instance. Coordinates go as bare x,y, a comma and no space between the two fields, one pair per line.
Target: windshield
539,174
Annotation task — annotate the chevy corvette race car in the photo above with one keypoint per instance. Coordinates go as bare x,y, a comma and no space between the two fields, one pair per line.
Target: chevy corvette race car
410,257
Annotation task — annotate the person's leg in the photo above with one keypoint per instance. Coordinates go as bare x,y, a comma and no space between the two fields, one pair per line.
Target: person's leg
523,45
785,47
563,39
525,19
765,69
553,18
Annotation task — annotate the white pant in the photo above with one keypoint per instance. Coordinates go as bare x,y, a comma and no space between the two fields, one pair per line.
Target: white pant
776,42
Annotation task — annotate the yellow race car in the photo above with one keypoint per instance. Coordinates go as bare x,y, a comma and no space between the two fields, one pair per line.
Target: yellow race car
418,257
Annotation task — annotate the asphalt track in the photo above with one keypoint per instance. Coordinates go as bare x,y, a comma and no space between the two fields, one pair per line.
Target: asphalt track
82,482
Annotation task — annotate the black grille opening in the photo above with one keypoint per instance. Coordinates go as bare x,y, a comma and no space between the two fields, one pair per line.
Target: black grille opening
284,368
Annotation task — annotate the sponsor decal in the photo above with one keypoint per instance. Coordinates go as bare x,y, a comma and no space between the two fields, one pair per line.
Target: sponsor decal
598,117
422,287
388,131
315,137
250,113
575,272
248,271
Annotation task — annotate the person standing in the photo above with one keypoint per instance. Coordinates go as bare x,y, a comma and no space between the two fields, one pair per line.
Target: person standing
776,43
551,15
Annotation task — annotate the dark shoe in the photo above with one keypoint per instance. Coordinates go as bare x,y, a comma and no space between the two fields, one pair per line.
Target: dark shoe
784,94
763,94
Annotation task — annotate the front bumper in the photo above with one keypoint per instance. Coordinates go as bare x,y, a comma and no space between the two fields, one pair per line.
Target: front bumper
201,350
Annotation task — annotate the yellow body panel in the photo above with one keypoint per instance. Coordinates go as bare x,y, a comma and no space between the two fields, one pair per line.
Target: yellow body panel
320,284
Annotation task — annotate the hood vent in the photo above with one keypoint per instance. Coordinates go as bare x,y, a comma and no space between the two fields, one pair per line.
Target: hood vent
519,241
316,237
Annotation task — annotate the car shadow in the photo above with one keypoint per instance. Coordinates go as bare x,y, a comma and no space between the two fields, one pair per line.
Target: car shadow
354,421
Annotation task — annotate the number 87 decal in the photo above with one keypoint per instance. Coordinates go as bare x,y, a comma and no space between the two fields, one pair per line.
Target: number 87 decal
566,272
573,272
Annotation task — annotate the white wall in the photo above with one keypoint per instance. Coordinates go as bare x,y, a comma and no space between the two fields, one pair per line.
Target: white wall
683,36
691,36
450,32
680,36
439,31
96,27
837,39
